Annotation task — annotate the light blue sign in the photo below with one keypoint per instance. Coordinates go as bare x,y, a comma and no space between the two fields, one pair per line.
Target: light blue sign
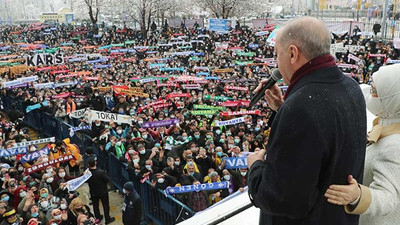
236,162
220,25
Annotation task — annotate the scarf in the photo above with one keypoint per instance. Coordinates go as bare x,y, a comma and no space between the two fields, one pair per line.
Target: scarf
379,131
70,107
317,63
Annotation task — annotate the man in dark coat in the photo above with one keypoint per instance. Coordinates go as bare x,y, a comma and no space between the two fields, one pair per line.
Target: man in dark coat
99,191
132,208
317,137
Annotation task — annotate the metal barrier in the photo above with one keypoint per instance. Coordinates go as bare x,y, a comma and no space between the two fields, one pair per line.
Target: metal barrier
161,209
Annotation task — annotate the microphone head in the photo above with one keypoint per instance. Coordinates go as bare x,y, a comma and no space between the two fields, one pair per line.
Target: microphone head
276,75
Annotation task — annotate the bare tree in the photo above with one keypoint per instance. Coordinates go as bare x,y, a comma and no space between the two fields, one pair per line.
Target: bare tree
94,8
229,8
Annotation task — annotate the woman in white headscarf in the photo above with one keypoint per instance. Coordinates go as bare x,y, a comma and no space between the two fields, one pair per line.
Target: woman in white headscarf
378,200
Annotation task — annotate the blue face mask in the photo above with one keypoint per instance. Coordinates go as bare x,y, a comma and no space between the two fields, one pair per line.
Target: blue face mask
219,154
197,136
158,145
191,174
257,129
34,215
5,198
44,195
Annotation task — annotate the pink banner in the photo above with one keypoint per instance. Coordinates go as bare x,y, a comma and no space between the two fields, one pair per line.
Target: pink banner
240,113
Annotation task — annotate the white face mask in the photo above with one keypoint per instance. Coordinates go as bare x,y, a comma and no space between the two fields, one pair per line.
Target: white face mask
135,161
161,180
177,163
119,131
44,204
61,174
49,180
374,105
243,173
45,160
63,206
227,177
142,151
33,149
118,143
58,217
49,170
22,194
131,152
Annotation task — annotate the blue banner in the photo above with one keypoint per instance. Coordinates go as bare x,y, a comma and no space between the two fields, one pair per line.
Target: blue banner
173,69
211,78
196,187
220,25
13,151
72,130
236,162
96,61
34,155
101,66
203,74
36,106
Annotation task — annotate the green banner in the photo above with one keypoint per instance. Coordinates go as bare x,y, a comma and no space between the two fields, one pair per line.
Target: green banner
248,54
210,107
203,112
5,52
217,98
117,45
194,58
130,42
240,62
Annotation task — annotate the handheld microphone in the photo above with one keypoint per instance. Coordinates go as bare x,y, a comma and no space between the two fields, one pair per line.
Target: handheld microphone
275,76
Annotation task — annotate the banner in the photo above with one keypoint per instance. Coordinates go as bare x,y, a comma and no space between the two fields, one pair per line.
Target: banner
236,162
221,46
353,57
107,117
229,122
393,61
36,106
72,130
162,105
178,95
240,113
196,187
63,95
396,43
44,85
217,98
35,142
13,151
161,123
236,88
209,107
192,87
74,184
344,65
203,112
52,163
150,105
220,25
377,55
34,155
245,103
272,37
44,59
77,114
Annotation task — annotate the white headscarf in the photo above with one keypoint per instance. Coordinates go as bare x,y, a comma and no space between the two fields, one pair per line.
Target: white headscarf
387,104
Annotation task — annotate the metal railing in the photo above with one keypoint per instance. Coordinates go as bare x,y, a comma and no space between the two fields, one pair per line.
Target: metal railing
159,208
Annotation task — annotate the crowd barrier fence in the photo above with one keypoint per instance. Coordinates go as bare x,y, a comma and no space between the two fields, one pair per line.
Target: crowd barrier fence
157,207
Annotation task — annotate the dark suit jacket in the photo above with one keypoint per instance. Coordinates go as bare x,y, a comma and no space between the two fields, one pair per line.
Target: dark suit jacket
318,138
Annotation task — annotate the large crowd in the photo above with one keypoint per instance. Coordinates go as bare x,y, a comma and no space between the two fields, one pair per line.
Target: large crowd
190,74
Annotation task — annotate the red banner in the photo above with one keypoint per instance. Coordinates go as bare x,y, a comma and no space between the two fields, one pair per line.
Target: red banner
51,163
178,95
241,113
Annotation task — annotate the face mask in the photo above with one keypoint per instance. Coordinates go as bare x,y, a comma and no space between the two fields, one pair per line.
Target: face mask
177,163
5,199
184,138
208,136
140,122
121,112
243,173
374,105
237,141
45,159
142,151
227,177
21,133
44,204
124,191
22,194
197,136
161,180
157,145
218,132
230,146
219,154
63,206
135,161
257,129
131,151
191,173
118,143
148,167
222,140
98,124
44,195
62,174
53,205
228,134
96,94
34,215
144,136
119,131
20,168
33,149
49,170
58,217
49,180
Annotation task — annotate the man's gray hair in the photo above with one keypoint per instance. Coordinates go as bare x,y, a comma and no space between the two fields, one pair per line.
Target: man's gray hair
309,34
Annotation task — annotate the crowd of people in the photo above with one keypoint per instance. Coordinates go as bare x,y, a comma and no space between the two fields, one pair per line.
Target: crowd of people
188,74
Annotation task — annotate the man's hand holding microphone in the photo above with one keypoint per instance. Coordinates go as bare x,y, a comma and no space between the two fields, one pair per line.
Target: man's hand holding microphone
273,95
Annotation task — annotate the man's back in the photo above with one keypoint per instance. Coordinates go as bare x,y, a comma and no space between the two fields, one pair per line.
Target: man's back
317,138
98,182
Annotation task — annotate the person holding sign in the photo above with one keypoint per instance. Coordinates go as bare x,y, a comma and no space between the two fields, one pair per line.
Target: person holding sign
313,142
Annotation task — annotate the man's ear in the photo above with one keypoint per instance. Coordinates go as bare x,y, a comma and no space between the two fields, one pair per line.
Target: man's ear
294,53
